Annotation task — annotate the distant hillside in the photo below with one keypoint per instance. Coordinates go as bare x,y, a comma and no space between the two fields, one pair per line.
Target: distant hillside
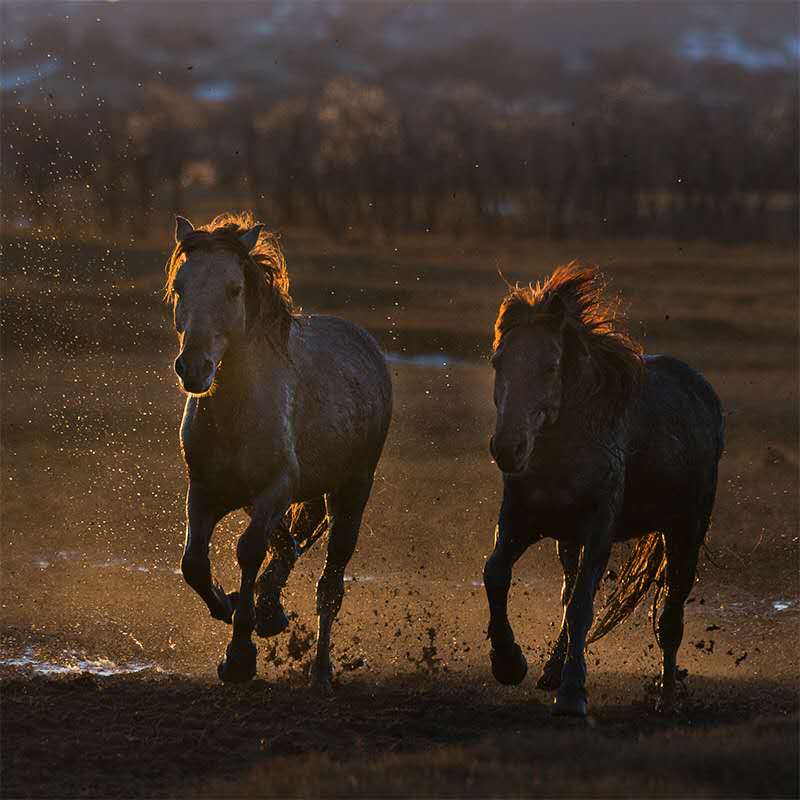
511,47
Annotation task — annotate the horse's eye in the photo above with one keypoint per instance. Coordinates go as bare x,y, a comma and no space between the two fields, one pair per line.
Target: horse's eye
234,291
551,369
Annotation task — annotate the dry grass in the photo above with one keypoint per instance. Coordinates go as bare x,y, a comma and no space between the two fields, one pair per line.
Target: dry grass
576,762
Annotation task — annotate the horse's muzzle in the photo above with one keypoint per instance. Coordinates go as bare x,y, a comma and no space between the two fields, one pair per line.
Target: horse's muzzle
510,458
512,452
196,374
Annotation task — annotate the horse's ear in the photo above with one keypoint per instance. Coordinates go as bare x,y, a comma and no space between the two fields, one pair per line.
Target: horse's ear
182,229
250,238
558,310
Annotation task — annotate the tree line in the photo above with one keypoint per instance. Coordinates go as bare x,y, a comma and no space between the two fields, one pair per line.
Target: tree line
621,156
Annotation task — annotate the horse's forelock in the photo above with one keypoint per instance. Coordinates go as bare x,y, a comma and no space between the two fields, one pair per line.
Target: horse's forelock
589,314
270,305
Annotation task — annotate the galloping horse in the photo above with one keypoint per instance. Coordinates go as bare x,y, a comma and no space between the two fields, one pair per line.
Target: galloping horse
597,443
286,417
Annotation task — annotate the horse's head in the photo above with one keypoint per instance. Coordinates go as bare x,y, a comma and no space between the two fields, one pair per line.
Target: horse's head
529,363
208,290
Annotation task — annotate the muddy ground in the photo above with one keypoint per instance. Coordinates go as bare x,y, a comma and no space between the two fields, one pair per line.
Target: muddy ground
108,661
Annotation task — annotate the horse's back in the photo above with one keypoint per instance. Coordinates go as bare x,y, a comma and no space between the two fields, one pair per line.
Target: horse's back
676,394
677,437
343,402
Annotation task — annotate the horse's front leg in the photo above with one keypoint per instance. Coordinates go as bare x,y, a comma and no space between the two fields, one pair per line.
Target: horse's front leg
509,666
571,699
202,514
569,555
239,664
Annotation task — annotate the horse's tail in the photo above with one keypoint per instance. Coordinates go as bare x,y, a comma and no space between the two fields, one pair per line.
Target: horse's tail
645,567
306,522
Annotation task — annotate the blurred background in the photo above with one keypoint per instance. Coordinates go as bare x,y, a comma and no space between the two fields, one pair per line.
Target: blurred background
531,119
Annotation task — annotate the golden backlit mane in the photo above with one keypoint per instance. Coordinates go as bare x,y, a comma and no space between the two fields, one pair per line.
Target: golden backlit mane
266,277
617,357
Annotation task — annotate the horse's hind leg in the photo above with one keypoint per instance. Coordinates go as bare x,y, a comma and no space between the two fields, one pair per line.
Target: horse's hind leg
288,540
239,663
271,619
569,555
201,517
683,546
345,509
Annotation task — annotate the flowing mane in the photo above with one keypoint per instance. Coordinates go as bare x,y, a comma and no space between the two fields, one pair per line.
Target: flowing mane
617,358
266,278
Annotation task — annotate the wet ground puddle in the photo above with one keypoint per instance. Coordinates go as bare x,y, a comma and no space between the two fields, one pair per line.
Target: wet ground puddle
70,662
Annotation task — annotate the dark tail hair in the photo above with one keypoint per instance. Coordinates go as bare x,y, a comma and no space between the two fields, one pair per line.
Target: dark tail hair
646,566
306,522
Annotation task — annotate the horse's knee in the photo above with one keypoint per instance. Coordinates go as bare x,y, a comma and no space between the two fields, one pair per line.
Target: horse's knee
196,569
496,573
251,549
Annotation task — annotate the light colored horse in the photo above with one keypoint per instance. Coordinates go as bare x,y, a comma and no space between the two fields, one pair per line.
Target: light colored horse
283,409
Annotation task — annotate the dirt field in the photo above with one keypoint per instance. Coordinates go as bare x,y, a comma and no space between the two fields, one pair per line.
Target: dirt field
92,488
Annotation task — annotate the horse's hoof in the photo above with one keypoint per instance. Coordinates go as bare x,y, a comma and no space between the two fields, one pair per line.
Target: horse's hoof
570,703
550,679
666,705
321,681
271,620
239,665
509,668
322,686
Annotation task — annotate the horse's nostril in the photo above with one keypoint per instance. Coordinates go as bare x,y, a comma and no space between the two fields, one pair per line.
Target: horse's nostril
208,366
179,367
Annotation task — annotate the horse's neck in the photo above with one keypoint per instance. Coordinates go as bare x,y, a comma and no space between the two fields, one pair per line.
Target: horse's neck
587,404
579,386
242,381
233,384
581,396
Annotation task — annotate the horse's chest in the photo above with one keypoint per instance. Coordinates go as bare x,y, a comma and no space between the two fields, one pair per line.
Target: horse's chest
210,458
554,505
221,461
557,483
543,497
558,494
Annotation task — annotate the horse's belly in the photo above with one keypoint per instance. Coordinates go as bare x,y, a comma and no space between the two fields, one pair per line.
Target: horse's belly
327,468
339,447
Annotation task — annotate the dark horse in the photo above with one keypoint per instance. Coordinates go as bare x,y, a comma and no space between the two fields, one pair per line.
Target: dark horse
597,444
286,417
